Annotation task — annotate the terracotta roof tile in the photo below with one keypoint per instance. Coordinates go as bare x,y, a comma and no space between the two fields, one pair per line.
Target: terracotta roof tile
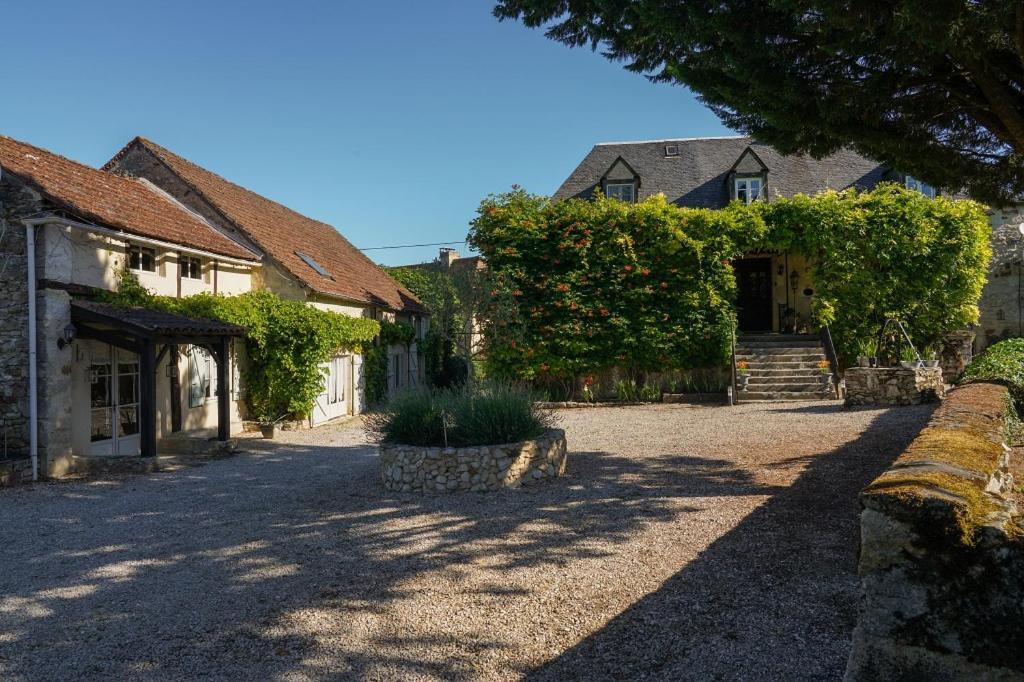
134,206
284,234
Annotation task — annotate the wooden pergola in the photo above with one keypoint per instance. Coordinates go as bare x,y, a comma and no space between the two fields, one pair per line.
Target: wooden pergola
152,335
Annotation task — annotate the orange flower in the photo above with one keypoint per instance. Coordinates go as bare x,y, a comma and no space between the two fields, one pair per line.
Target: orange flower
563,287
646,271
627,268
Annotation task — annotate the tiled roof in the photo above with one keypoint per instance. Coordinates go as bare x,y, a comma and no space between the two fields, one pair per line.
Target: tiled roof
284,234
151,322
697,175
133,206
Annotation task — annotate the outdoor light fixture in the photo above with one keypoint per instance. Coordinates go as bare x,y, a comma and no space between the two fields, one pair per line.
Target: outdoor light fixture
67,336
794,280
172,370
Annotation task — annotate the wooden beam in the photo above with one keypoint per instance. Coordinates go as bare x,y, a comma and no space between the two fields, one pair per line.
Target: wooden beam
175,393
163,352
223,391
147,398
116,339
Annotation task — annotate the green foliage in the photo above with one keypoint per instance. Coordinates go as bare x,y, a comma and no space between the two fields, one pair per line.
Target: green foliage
396,333
375,373
583,286
480,415
888,253
286,341
1001,363
929,89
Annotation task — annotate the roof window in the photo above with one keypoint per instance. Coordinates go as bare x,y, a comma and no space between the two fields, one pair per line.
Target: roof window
311,262
671,150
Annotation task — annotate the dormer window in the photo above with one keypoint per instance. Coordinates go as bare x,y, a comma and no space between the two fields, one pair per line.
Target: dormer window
747,190
623,191
918,186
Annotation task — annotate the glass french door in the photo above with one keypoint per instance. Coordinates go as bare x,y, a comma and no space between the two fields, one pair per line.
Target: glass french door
114,402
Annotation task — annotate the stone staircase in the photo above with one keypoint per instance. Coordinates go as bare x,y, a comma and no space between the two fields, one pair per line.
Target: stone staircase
783,367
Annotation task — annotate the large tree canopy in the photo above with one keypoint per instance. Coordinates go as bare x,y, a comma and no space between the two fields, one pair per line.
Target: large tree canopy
935,89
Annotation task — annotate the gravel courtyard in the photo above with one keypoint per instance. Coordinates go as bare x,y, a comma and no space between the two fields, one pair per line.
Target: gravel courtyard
685,543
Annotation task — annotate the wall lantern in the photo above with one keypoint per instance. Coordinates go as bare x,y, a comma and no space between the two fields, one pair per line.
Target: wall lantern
67,336
172,369
794,280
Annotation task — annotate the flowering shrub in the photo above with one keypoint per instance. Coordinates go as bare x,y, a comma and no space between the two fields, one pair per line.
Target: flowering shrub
583,286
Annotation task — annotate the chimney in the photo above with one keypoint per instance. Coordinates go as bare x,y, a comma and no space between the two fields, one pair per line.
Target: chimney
447,256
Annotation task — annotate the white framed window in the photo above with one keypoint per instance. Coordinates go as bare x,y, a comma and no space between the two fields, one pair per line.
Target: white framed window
918,186
747,189
337,379
191,268
141,259
623,191
200,376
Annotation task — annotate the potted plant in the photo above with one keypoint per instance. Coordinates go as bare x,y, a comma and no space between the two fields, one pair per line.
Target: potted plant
742,374
909,358
866,353
269,426
931,357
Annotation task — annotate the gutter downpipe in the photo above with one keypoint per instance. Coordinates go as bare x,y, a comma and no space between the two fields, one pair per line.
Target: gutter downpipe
33,385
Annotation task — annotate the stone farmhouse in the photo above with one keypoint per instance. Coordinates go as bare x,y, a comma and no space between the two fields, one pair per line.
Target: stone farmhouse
84,380
775,289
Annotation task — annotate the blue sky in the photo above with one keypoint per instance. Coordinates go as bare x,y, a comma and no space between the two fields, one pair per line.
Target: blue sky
389,120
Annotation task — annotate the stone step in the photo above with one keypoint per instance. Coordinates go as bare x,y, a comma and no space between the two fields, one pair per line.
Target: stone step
785,379
745,396
811,343
786,387
790,362
790,371
776,337
775,351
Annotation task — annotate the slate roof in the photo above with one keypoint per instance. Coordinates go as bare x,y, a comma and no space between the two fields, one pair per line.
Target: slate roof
126,204
283,233
697,176
148,322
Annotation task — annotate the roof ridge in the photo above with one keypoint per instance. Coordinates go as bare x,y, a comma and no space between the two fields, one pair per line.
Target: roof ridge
677,139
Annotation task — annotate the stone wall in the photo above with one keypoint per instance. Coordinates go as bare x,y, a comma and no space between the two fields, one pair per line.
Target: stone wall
942,552
893,385
1001,305
957,351
410,468
15,202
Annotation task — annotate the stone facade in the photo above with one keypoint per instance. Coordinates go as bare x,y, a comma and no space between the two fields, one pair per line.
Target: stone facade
1001,304
893,385
942,553
410,468
957,352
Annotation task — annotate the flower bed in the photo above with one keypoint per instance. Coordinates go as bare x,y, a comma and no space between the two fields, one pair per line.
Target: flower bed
414,468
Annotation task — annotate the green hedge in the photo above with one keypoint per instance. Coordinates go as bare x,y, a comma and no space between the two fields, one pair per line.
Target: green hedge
583,286
1001,363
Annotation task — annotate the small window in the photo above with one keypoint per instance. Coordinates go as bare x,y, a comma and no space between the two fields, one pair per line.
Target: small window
918,186
748,189
141,259
200,376
191,268
623,191
311,262
672,150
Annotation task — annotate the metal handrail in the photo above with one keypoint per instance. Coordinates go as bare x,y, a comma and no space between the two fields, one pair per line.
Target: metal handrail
881,336
735,397
825,334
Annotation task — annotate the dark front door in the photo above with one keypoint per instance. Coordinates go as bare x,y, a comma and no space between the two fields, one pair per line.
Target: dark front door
754,294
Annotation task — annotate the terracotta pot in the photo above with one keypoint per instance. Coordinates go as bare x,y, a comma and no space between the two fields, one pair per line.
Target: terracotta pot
269,431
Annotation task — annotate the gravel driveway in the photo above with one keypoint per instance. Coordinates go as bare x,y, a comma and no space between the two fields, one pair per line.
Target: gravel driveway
686,542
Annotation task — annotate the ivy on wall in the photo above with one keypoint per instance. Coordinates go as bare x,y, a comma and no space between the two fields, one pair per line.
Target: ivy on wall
583,286
375,358
286,341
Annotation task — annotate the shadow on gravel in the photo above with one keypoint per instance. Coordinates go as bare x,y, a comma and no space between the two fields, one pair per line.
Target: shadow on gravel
202,571
780,583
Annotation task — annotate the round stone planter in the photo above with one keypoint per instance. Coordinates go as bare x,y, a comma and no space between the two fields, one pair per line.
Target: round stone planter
414,468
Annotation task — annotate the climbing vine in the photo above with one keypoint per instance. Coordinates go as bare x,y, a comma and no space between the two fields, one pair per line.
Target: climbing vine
286,341
375,358
581,286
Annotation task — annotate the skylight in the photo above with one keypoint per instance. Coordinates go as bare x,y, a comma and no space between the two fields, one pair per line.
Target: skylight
309,260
